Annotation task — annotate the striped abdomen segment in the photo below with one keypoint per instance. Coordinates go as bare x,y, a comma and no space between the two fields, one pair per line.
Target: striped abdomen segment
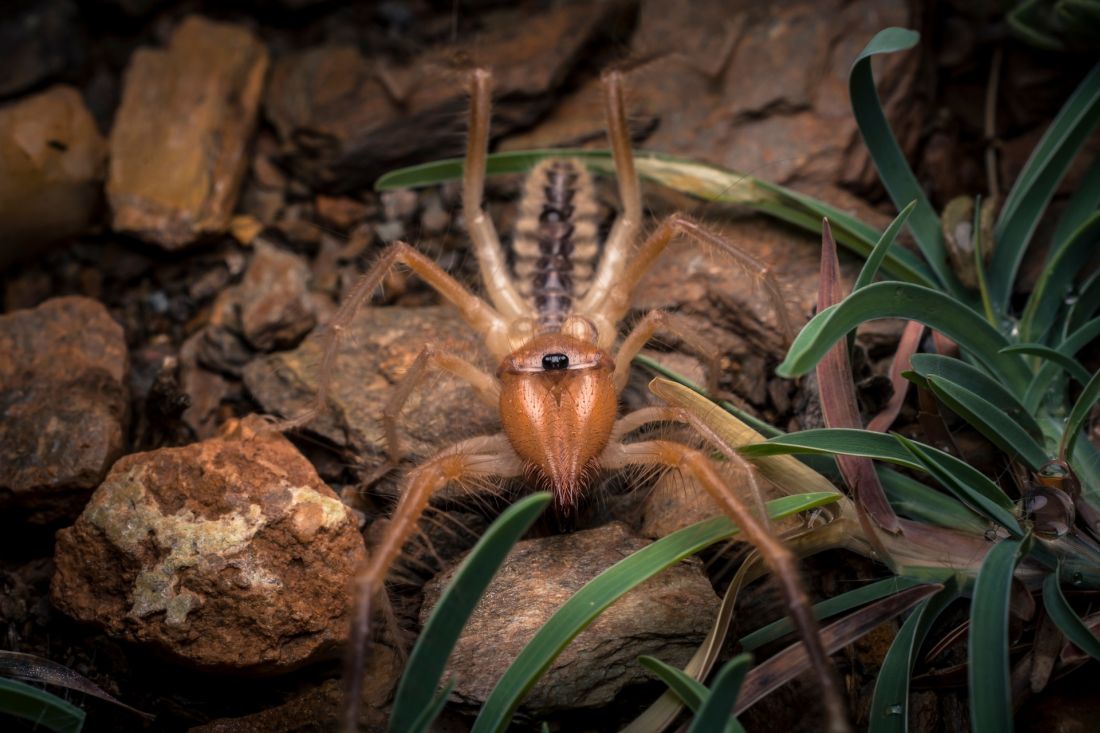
555,244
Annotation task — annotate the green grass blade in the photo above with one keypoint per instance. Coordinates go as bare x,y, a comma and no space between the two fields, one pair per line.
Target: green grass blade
701,180
882,247
890,704
979,264
1081,204
988,669
1077,416
887,155
829,608
968,484
1027,23
428,714
1039,179
990,421
978,382
689,690
599,593
436,641
915,303
1073,343
1062,267
714,715
1070,365
835,441
1086,305
915,500
40,707
1066,619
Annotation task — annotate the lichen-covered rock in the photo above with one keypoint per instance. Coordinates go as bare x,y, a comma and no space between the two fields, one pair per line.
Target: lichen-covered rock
229,554
64,405
180,139
666,617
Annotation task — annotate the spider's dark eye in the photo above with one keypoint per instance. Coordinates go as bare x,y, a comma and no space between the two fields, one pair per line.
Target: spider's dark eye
555,361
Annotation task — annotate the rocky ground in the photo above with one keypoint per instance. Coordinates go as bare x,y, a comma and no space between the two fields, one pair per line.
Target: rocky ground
187,199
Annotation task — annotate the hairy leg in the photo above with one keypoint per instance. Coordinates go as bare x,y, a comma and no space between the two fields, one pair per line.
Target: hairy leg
778,557
608,303
673,324
475,458
476,312
490,258
617,250
488,389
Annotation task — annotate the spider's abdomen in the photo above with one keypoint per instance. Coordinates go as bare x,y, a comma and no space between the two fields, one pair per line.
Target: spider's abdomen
555,244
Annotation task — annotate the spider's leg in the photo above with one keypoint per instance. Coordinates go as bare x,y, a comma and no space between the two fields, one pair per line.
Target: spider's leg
490,258
620,242
673,324
477,457
476,312
610,303
488,390
776,555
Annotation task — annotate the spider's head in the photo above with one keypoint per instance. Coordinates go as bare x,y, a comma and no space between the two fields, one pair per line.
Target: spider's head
558,405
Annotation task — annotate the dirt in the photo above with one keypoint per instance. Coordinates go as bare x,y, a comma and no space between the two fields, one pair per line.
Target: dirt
195,200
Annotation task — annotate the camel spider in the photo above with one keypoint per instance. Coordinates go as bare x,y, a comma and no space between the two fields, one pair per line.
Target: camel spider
553,327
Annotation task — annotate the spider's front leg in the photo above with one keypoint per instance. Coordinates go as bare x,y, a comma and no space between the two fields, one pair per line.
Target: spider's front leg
779,559
485,456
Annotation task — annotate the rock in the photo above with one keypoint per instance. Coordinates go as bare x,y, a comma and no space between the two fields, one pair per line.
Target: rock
206,390
764,91
340,211
724,303
180,139
53,159
64,405
275,307
344,118
673,503
378,347
317,710
666,617
41,40
228,555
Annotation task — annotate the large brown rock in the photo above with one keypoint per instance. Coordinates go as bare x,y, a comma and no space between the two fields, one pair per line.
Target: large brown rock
53,160
344,118
180,137
378,347
64,405
666,617
229,554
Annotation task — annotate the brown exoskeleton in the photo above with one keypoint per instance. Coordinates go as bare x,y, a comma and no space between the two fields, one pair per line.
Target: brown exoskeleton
553,325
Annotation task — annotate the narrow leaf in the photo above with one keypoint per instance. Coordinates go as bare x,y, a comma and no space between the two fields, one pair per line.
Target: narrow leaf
1077,416
1063,265
890,704
888,157
978,382
1071,366
437,639
428,715
836,386
690,691
835,441
1037,183
990,420
1066,619
913,302
882,247
792,661
907,347
715,710
40,707
829,608
968,484
988,667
